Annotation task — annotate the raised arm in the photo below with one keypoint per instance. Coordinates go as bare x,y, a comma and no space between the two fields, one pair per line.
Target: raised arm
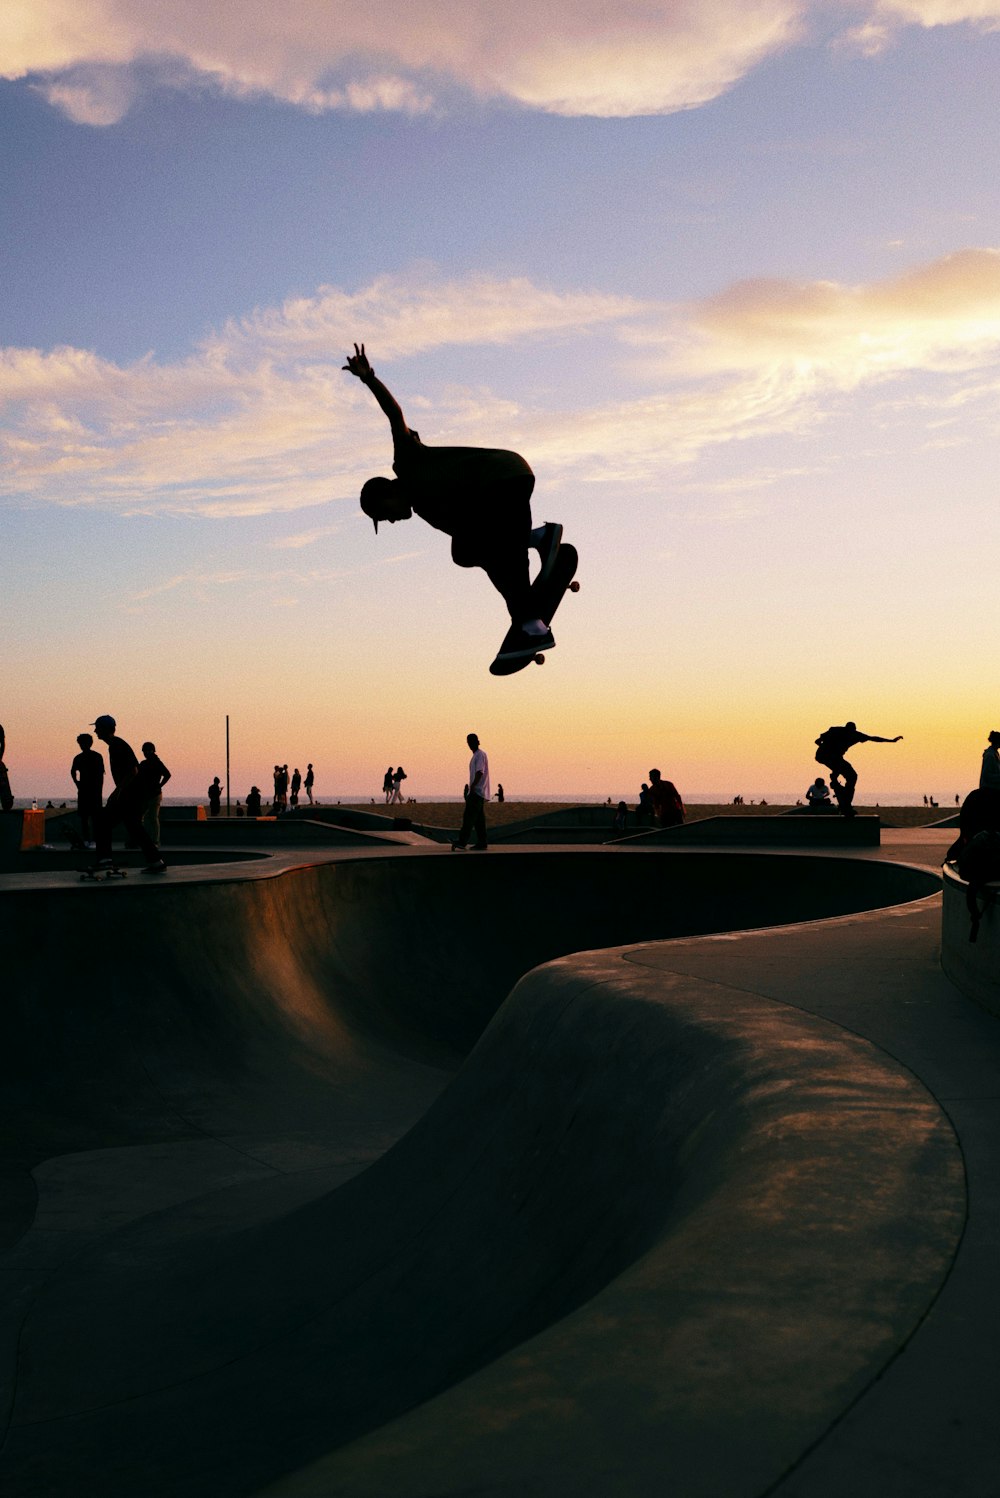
358,365
873,738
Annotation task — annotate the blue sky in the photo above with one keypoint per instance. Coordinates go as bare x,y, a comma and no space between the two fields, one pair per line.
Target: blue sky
728,276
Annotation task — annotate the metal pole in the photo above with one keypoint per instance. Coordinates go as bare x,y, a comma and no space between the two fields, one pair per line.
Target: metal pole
227,764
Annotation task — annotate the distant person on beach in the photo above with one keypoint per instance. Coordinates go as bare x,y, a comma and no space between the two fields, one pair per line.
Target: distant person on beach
87,774
152,775
296,785
479,496
6,798
477,793
818,795
214,798
387,784
831,748
499,793
308,783
127,801
397,786
668,808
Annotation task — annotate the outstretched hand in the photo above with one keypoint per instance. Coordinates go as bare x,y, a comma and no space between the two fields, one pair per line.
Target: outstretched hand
358,364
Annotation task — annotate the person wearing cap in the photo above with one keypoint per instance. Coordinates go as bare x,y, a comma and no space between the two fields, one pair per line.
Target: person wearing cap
480,496
127,801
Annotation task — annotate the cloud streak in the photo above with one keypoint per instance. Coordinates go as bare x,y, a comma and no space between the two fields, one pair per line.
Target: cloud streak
261,419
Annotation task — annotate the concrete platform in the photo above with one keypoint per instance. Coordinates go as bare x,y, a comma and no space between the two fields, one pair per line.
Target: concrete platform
304,1193
861,831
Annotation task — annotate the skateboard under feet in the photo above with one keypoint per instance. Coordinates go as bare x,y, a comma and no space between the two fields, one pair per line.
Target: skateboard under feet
100,876
545,599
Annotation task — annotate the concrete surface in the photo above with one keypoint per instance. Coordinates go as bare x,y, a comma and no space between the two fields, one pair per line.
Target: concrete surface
782,831
292,1196
973,966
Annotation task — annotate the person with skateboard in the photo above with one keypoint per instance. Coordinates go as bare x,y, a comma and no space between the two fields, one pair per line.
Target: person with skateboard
127,801
477,793
831,748
479,496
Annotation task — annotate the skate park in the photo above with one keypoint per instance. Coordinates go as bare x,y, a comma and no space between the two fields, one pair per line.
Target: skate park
328,1170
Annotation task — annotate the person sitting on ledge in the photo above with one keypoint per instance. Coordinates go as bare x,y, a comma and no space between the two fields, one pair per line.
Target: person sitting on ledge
818,796
480,496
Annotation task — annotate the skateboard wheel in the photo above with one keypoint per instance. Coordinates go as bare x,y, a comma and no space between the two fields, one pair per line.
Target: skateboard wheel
539,660
574,587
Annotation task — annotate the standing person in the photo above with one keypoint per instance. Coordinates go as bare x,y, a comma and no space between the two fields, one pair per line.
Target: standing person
127,801
153,774
215,798
397,786
296,785
831,748
645,807
474,818
6,798
989,775
387,784
500,794
480,496
283,786
253,801
665,800
87,774
308,783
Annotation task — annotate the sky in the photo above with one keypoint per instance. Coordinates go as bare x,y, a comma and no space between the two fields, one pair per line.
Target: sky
726,272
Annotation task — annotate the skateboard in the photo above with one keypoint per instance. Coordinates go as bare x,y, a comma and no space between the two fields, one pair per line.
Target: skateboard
98,876
844,798
545,599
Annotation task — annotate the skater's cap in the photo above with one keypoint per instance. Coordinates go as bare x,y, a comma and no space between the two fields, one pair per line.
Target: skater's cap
105,718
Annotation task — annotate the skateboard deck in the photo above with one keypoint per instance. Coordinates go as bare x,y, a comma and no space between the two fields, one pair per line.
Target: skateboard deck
545,599
98,876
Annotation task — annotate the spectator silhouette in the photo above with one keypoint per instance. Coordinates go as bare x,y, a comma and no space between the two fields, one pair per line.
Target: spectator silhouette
215,798
127,801
6,797
668,808
87,774
154,775
477,793
308,783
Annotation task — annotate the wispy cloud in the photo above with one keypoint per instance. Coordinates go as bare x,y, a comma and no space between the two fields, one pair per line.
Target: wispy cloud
261,419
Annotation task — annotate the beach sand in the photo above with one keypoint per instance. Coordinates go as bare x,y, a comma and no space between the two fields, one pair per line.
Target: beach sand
449,813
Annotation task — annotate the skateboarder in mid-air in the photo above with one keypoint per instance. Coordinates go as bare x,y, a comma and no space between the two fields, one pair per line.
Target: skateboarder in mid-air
832,746
481,497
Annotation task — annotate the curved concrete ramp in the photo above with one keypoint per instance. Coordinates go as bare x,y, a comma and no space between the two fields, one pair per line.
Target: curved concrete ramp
644,1212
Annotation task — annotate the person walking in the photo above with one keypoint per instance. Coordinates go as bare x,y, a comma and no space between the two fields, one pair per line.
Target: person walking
831,748
477,795
387,785
397,786
127,801
87,774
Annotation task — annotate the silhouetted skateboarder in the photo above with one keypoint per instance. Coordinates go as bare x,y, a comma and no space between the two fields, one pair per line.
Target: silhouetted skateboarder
480,496
832,746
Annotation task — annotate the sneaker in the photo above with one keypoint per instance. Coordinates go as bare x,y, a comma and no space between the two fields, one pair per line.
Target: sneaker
526,645
105,863
479,848
548,549
159,867
460,847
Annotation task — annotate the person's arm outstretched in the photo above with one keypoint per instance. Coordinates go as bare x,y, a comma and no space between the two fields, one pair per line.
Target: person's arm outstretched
358,365
873,738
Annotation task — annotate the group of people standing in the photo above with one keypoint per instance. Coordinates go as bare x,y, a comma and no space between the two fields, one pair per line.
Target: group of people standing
135,801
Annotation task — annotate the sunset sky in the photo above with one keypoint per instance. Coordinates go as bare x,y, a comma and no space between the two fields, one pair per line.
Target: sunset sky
726,272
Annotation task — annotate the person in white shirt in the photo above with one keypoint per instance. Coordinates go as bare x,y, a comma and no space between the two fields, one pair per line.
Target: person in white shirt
476,796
